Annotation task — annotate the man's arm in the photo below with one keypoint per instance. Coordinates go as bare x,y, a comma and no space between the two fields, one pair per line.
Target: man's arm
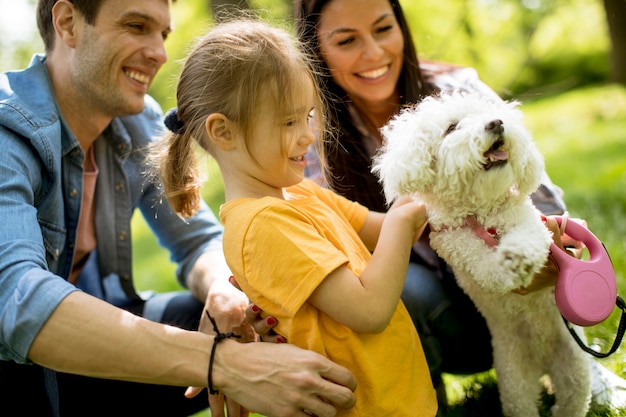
78,337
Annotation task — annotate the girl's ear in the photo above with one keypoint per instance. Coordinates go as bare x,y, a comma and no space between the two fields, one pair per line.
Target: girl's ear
220,131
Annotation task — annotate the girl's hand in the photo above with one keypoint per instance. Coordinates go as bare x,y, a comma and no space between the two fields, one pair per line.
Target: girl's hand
412,212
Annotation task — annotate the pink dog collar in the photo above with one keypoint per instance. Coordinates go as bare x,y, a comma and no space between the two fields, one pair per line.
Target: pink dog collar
489,235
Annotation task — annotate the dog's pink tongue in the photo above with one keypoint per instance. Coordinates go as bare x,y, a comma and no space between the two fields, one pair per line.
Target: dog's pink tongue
497,155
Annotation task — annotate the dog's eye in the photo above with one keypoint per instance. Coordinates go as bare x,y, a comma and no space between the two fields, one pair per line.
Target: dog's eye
451,129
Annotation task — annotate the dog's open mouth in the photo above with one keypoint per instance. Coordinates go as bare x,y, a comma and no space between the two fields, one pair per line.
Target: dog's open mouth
495,156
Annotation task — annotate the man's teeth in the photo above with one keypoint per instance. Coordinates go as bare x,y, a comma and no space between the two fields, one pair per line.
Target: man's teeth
142,78
374,73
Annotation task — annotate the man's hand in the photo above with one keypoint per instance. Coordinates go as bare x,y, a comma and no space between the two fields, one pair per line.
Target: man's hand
282,379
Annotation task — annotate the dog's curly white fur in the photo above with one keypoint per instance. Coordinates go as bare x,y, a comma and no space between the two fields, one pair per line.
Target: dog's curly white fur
474,164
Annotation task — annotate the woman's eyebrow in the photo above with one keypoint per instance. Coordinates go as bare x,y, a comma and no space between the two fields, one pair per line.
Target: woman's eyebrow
349,30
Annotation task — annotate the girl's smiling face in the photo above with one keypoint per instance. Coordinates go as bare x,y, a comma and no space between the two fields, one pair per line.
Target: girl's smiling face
281,135
363,47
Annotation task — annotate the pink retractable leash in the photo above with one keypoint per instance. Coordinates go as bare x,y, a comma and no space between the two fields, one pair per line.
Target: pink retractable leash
586,291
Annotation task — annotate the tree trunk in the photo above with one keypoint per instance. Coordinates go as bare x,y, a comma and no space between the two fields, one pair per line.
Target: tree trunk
223,9
616,18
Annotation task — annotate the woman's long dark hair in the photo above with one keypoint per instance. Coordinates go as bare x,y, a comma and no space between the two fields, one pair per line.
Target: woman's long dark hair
348,163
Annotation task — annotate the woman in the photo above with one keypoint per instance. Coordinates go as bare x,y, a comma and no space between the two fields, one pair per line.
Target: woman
369,69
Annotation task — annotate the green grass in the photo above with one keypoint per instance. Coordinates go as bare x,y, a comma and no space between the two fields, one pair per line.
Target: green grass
477,395
582,135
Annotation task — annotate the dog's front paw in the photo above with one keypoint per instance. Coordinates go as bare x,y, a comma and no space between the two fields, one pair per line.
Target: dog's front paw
518,269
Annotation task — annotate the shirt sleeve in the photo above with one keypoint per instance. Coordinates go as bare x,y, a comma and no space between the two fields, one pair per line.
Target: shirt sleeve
355,213
276,233
29,291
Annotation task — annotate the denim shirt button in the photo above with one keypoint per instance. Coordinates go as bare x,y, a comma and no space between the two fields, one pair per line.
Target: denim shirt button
73,192
122,235
125,277
119,186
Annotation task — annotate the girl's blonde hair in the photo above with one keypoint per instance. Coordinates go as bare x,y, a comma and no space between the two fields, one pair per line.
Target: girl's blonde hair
224,73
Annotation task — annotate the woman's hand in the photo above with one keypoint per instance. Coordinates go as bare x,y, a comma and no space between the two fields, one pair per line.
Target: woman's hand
262,326
549,273
572,246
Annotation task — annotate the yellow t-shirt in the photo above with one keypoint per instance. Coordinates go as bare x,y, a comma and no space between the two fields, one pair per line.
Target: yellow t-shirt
281,250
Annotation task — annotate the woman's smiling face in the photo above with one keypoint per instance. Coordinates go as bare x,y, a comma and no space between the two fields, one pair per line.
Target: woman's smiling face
363,47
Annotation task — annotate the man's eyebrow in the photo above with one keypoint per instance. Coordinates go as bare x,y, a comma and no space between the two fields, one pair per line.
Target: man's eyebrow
134,14
349,30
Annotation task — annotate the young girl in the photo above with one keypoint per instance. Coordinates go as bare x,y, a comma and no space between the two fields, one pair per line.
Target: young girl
328,269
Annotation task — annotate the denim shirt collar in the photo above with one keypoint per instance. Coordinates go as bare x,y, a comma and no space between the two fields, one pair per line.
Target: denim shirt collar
41,110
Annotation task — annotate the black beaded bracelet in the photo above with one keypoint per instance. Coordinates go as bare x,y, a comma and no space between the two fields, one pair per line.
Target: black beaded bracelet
218,338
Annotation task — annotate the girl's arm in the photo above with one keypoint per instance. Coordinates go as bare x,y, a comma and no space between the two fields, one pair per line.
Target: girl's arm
366,303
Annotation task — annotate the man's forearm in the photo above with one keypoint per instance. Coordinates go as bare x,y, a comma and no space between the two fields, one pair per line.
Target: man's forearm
87,336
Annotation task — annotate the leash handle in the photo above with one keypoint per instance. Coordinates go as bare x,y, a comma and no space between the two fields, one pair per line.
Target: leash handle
585,291
619,302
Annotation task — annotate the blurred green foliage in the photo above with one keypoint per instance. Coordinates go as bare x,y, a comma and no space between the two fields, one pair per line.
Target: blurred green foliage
520,48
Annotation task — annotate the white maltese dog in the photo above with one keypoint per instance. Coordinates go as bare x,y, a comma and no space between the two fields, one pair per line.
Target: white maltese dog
474,164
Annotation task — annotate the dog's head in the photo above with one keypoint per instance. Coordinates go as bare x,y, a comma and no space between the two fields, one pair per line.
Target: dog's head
458,148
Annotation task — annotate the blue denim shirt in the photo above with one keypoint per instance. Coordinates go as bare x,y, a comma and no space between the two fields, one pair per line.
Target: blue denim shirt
40,195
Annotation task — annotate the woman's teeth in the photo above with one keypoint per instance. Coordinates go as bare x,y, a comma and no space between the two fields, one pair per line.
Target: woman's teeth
374,73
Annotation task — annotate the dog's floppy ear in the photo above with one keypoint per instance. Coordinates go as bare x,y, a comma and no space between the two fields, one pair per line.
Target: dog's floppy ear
527,160
529,167
404,163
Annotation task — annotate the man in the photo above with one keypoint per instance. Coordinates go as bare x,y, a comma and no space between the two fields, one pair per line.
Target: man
74,128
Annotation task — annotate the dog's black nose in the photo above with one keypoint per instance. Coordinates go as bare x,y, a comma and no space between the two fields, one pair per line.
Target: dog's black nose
495,126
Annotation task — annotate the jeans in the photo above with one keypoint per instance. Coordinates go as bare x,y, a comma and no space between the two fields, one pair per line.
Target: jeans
454,335
22,387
